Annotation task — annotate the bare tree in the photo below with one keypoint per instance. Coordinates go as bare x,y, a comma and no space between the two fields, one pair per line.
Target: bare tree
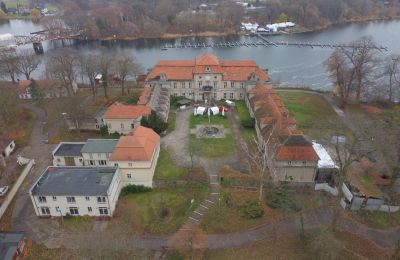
89,66
392,71
261,154
75,112
8,65
105,65
125,66
28,62
62,67
342,74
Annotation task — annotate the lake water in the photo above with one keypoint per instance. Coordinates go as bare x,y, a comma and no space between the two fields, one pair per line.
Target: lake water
288,65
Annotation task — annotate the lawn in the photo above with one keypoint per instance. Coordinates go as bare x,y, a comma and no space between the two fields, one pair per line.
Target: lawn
171,122
64,135
224,217
167,169
21,131
13,3
214,120
160,211
244,115
212,147
376,219
295,247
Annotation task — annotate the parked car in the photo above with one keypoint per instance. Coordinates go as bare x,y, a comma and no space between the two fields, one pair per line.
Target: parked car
3,191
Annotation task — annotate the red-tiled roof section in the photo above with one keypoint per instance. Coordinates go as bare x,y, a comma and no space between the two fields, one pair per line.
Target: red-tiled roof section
145,96
296,147
236,70
138,146
121,111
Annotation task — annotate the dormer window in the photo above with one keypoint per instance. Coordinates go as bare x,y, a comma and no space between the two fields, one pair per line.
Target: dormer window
208,69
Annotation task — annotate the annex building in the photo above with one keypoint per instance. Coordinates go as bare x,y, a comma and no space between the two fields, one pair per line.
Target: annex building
206,77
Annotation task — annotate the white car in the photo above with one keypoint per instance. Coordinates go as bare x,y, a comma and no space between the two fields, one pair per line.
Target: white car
3,191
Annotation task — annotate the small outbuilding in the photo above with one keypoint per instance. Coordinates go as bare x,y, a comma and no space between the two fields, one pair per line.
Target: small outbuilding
7,146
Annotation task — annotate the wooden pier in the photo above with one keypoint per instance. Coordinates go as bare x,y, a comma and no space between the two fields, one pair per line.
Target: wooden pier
267,43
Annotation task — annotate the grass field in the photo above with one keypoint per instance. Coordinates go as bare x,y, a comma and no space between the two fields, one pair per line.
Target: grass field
214,120
376,219
171,122
244,115
212,147
167,169
160,211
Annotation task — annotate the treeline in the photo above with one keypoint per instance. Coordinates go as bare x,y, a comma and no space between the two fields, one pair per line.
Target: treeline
155,18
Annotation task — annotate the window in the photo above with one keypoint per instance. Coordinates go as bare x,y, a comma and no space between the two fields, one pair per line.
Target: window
91,162
289,162
200,84
101,199
58,160
183,84
80,159
42,199
122,125
103,162
103,211
231,95
175,84
215,95
87,198
89,209
130,164
190,84
71,199
54,198
199,77
232,84
183,94
225,84
116,164
304,162
58,209
225,95
242,85
45,210
73,211
129,176
215,77
215,84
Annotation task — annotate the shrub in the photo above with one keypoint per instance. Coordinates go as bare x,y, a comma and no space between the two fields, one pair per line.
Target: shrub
248,122
154,122
131,189
281,198
251,209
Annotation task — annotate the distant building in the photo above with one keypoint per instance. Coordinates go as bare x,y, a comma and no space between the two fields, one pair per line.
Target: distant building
14,245
93,123
206,77
48,88
296,160
122,118
7,146
76,191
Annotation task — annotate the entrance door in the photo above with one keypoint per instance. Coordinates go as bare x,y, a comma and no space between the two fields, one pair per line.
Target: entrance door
69,161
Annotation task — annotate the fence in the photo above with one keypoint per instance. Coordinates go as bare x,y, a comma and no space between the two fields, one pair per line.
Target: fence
327,188
16,187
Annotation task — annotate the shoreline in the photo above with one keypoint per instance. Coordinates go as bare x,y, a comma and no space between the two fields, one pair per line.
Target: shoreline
168,36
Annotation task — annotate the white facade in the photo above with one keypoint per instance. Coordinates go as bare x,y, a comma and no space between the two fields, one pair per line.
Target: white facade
122,126
78,205
96,159
138,172
65,160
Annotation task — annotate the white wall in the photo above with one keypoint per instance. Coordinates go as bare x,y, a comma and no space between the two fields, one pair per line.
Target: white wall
122,126
60,160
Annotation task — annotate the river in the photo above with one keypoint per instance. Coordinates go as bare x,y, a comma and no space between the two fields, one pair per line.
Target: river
291,66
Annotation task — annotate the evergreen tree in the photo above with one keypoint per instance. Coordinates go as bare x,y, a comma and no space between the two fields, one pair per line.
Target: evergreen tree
3,7
154,122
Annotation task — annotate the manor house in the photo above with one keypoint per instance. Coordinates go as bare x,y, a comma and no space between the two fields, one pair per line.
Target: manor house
206,77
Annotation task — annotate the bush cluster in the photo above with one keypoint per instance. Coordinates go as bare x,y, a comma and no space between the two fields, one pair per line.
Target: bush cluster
251,209
131,189
282,198
248,122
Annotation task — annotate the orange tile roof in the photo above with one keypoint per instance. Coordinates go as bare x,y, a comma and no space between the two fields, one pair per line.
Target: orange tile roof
297,153
138,146
240,70
121,111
